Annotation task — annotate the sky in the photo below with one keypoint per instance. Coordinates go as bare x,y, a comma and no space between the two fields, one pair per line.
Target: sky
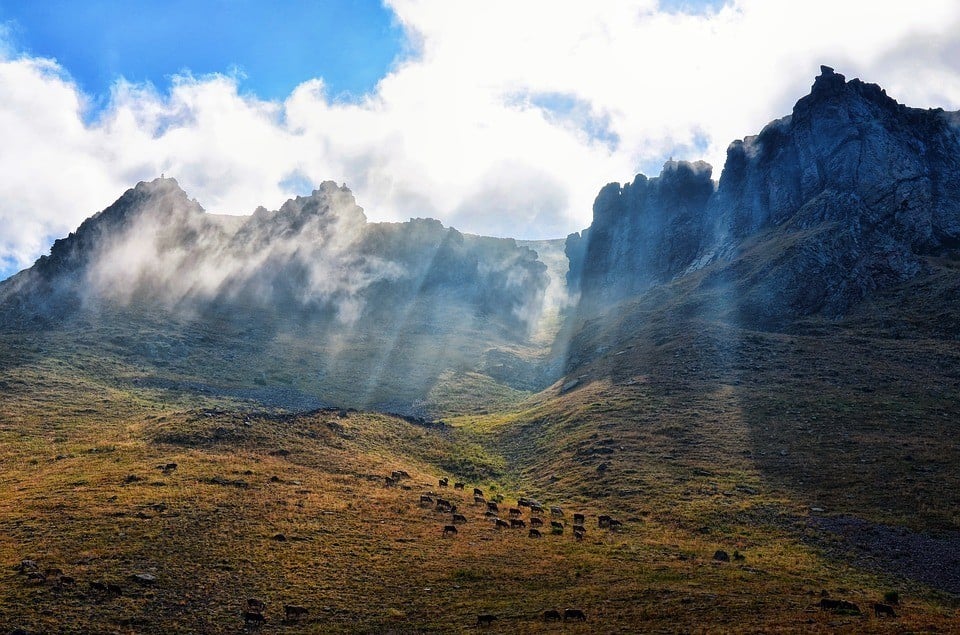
497,117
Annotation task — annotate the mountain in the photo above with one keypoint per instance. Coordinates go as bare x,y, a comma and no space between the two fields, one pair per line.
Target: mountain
850,194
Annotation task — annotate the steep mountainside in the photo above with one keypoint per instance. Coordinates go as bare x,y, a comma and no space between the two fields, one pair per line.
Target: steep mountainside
849,194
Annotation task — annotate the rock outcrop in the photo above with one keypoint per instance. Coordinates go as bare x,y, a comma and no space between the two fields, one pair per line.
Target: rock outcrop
848,194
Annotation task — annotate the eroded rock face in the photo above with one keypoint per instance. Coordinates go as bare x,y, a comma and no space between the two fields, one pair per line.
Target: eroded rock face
846,195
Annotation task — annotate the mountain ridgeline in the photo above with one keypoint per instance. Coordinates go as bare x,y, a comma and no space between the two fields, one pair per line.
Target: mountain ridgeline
849,197
850,194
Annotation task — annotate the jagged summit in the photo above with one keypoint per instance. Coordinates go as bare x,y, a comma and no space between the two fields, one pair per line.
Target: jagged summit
849,193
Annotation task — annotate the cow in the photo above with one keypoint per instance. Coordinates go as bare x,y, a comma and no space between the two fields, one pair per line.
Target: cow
556,511
449,530
536,522
493,506
443,504
425,500
256,605
444,482
603,520
490,513
66,580
523,502
553,615
255,617
485,620
516,523
479,500
614,524
536,507
98,586
399,474
478,492
459,486
459,518
579,519
114,589
578,533
840,606
391,482
574,614
515,512
500,524
535,533
293,613
883,609
556,528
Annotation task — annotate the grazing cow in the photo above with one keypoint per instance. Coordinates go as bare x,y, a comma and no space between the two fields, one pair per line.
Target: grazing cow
614,524
516,523
391,482
502,523
556,511
444,482
579,535
169,467
574,614
553,615
536,507
477,491
399,474
98,586
449,530
37,577
493,506
293,613
556,524
490,513
255,617
479,500
52,571
603,520
459,518
840,606
485,620
535,533
579,519
458,486
442,504
536,522
883,609
515,512
425,500
256,605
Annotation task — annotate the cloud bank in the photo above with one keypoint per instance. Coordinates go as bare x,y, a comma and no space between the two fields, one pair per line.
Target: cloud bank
506,118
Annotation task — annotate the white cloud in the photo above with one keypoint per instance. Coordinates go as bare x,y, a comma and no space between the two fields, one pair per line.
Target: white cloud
462,130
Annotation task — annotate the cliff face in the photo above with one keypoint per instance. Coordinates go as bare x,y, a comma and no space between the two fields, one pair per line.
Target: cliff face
848,194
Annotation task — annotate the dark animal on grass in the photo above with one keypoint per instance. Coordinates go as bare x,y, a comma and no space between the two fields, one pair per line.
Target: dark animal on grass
115,589
579,519
256,605
66,580
399,474
449,530
27,565
490,513
444,482
614,524
442,504
493,506
479,500
35,577
883,609
293,613
459,518
535,507
556,511
553,615
459,485
556,524
485,620
169,467
515,512
603,520
500,524
523,502
516,523
425,500
391,482
253,617
98,586
536,522
574,614
535,533
52,572
578,533
477,491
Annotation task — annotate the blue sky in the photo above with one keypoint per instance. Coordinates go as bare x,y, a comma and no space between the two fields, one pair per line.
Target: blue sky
497,117
275,45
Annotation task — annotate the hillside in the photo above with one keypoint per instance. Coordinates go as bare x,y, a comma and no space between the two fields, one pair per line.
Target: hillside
756,377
